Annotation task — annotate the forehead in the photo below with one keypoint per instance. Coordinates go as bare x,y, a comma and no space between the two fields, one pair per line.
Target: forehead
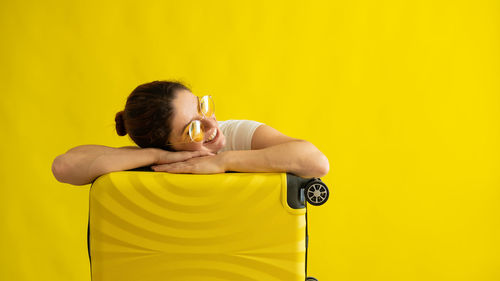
185,109
184,97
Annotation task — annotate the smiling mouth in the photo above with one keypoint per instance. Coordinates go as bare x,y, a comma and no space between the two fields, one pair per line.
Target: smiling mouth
212,137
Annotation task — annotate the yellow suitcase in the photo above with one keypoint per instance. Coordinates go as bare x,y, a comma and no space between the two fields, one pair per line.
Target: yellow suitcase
152,226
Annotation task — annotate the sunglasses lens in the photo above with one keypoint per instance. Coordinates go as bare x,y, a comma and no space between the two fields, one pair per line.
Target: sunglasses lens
207,106
195,131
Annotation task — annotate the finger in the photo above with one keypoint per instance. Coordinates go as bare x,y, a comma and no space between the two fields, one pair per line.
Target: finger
161,168
203,153
172,168
179,156
185,155
172,157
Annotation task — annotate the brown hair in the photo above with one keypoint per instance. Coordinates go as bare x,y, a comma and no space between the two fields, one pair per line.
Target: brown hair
148,114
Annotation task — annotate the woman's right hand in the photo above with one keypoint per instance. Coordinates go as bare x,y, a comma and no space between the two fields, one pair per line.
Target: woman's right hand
166,157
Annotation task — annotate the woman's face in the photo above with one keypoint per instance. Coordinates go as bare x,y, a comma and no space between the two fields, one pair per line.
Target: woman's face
186,110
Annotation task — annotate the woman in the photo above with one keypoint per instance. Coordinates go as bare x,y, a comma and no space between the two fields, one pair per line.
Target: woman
177,132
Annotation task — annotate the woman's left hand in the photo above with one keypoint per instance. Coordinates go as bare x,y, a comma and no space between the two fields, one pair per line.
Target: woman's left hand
212,164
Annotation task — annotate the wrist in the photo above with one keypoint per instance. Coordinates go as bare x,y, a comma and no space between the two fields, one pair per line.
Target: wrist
225,160
153,155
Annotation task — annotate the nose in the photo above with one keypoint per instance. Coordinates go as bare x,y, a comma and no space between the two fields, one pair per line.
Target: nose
209,124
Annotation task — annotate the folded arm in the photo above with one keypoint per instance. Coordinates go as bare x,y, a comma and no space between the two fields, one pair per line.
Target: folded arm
82,164
271,151
299,157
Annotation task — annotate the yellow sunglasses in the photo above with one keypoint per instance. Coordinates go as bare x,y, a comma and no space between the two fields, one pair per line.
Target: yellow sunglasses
195,129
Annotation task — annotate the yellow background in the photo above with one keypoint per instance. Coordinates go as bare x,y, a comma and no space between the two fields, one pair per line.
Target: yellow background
402,96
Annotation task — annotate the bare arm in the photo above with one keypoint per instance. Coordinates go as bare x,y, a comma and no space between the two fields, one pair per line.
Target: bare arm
82,164
271,151
299,157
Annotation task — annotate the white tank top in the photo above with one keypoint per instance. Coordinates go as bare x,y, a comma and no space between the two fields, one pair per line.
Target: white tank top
238,134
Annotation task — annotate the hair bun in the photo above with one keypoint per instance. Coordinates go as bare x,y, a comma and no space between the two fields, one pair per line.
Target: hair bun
120,124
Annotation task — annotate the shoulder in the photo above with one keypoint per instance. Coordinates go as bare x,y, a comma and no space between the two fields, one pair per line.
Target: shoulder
242,125
238,133
266,136
237,121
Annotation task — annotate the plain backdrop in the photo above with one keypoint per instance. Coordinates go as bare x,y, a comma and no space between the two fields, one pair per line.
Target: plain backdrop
402,97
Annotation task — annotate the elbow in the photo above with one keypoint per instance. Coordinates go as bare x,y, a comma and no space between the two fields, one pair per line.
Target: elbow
315,167
59,168
64,172
314,164
322,166
319,163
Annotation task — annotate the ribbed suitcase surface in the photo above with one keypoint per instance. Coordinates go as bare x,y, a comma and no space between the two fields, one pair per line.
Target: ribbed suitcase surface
152,226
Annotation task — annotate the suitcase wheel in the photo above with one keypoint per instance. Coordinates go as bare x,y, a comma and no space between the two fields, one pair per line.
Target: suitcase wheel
311,279
316,193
